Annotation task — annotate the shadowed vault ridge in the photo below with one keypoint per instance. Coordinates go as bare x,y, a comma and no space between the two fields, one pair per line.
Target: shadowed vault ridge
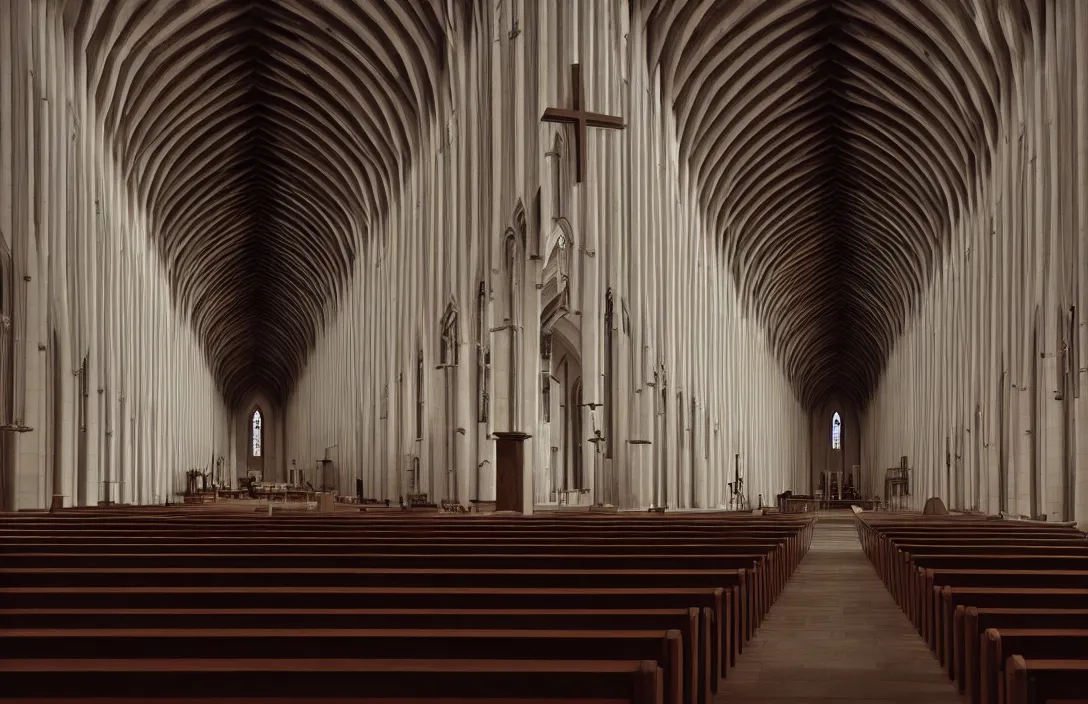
265,140
833,144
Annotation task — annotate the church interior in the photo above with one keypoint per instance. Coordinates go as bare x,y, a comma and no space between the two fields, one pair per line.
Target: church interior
764,316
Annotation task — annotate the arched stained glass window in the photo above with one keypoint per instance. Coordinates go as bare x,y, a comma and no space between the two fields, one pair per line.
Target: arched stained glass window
836,432
256,434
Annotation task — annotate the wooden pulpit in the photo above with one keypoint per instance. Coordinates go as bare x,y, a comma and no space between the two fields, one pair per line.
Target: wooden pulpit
510,471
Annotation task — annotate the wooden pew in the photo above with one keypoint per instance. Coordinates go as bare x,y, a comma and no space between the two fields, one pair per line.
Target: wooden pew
1045,681
522,548
1030,579
729,580
969,570
710,602
337,679
663,647
749,605
971,622
942,612
971,554
1043,644
695,642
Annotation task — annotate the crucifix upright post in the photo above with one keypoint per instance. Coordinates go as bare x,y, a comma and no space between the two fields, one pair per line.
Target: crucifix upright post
581,119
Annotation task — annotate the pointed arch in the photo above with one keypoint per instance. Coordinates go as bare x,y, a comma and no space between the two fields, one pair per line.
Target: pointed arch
836,432
256,433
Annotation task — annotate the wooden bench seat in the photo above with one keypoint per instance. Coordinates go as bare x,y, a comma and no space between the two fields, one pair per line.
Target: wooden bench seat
912,556
699,680
323,700
935,625
971,622
730,580
965,570
638,682
171,577
999,644
956,600
1045,681
758,590
663,647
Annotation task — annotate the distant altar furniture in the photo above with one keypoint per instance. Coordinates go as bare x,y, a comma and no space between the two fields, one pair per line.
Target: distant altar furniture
833,485
798,503
897,486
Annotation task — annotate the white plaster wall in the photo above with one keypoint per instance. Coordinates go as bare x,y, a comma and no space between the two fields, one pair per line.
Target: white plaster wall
1019,251
85,266
637,230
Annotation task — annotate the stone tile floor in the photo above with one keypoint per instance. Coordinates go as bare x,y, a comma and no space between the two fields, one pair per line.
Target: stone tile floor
835,634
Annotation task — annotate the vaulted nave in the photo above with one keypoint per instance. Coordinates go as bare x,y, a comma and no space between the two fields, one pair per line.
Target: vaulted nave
683,254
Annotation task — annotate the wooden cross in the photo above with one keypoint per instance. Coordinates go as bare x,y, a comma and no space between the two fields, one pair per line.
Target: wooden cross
581,119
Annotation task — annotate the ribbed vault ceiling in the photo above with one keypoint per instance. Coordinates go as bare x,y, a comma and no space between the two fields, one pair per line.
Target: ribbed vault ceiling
833,143
264,138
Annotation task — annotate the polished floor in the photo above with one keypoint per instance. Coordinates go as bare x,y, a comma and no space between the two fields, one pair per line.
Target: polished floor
835,635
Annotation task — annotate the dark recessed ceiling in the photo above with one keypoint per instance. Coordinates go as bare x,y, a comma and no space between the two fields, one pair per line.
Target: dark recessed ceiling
265,138
834,143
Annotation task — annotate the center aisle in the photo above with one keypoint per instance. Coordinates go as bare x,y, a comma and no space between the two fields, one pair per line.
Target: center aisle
836,634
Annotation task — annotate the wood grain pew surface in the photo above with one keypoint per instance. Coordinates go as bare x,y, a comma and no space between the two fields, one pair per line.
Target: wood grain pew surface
1046,644
61,564
1045,681
958,599
723,634
638,682
663,647
980,591
939,613
967,569
971,622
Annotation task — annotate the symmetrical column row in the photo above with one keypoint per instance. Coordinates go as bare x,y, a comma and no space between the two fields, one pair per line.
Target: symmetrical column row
499,294
987,390
107,394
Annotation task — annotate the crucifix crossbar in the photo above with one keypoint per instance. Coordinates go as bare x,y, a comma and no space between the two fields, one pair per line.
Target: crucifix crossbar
581,119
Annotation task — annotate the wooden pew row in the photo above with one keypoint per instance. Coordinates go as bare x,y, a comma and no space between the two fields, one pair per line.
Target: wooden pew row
968,567
972,621
241,679
728,631
789,558
912,555
912,577
709,602
1045,681
797,539
55,541
1032,644
696,648
749,609
875,534
662,647
763,598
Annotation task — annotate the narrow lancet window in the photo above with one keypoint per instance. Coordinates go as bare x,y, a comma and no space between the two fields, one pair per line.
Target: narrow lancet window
256,433
836,432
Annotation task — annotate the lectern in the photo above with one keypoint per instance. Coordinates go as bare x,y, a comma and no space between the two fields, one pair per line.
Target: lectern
510,471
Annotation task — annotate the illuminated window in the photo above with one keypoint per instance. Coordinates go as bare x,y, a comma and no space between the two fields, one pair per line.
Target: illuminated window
836,432
256,433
